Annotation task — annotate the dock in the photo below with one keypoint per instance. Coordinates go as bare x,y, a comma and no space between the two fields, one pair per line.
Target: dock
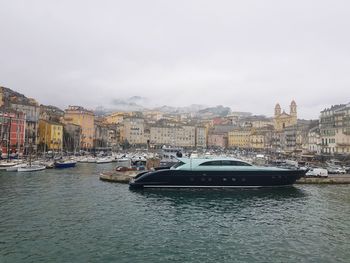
118,177
331,179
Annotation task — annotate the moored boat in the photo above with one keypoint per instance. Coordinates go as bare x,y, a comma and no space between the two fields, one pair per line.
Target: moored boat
91,160
65,164
215,173
104,160
31,168
5,165
124,162
15,167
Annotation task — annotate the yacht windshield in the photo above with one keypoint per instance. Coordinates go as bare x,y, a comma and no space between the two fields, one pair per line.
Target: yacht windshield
177,165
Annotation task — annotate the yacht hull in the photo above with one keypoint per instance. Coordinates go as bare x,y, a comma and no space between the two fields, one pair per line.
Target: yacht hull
215,179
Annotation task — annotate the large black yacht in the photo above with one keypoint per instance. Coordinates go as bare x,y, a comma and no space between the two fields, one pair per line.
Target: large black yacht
215,173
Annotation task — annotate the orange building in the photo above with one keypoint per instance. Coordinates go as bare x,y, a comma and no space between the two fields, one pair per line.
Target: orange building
86,120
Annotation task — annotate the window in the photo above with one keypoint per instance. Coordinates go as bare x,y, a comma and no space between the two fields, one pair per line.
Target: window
211,163
234,163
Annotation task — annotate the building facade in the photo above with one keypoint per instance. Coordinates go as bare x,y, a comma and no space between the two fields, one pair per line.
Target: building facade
133,131
177,135
239,137
50,135
85,119
282,119
335,129
72,137
314,140
201,137
115,118
12,133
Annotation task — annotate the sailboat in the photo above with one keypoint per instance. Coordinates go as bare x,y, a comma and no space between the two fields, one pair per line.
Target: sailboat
30,167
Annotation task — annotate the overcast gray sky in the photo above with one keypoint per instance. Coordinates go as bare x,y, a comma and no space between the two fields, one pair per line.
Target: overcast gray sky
244,54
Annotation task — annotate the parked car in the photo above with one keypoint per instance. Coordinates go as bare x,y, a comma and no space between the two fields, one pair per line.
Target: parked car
317,172
336,170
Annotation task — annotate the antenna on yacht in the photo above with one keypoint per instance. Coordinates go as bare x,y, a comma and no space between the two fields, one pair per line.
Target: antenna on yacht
191,162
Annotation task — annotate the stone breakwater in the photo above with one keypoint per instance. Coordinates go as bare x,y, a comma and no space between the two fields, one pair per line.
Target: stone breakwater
334,179
118,177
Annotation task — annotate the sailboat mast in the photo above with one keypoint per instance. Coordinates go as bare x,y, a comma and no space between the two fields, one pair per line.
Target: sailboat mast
9,139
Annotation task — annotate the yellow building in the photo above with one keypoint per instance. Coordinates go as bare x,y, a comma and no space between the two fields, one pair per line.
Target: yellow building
86,120
239,137
115,117
1,96
282,119
153,115
51,134
257,140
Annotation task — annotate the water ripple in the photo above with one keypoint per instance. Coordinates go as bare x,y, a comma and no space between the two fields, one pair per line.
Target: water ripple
71,216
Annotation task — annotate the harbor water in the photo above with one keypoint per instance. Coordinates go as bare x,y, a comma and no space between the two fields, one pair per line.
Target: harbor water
69,215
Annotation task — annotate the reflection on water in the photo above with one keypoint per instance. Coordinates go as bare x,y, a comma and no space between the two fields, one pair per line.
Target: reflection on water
222,197
214,194
71,216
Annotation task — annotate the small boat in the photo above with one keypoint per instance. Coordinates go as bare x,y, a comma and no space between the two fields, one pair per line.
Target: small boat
215,173
83,160
91,160
65,164
15,167
49,164
124,162
31,168
5,165
104,160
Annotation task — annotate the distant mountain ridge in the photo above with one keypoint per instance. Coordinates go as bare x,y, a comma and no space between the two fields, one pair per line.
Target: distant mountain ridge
137,103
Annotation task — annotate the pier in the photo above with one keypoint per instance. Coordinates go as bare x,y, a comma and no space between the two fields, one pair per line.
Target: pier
118,177
331,179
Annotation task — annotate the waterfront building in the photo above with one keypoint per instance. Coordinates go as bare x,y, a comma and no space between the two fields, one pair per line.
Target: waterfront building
282,119
295,138
201,137
15,101
113,138
217,139
218,135
115,117
239,137
31,110
50,135
173,134
335,129
100,134
314,140
132,131
12,132
72,135
260,138
85,119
